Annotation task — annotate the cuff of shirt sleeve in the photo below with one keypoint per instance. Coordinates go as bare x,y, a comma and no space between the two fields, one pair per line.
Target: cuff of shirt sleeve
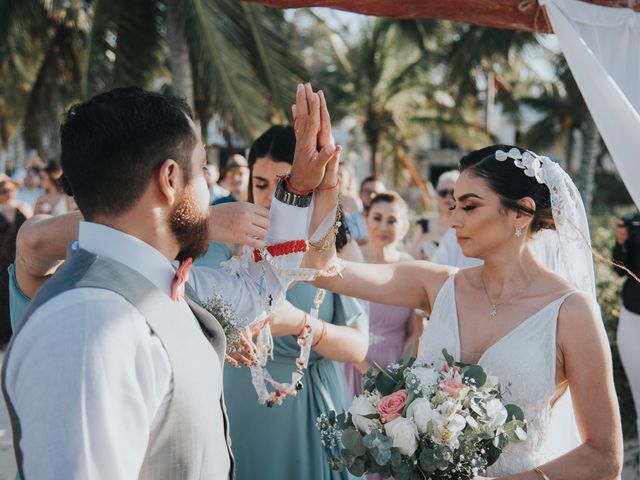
287,222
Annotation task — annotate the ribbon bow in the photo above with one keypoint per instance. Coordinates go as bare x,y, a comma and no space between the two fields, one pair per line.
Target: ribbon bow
179,281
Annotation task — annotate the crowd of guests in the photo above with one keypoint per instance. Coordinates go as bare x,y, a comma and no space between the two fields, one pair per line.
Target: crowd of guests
36,189
360,336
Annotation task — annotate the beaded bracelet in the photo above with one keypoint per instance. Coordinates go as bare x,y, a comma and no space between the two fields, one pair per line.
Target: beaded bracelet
280,249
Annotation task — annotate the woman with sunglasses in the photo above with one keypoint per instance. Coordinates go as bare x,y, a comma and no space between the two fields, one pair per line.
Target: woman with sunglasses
429,231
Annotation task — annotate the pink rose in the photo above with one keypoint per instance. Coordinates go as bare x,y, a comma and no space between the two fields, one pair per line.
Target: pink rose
391,406
452,388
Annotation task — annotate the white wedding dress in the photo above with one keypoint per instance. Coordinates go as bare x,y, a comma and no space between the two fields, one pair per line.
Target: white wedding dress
526,358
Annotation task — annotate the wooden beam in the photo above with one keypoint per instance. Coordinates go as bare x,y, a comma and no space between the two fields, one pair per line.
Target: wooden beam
524,15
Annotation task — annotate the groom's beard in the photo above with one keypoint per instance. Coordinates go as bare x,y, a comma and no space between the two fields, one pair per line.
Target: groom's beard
190,226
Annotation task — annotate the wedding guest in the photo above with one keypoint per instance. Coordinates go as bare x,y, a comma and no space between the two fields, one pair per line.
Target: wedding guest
54,201
30,190
13,214
429,231
235,179
146,399
627,252
355,221
392,330
290,426
212,175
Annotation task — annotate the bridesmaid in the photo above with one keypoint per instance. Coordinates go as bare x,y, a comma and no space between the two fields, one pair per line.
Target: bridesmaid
283,442
392,330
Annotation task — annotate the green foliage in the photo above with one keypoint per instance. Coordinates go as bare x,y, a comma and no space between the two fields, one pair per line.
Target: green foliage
609,286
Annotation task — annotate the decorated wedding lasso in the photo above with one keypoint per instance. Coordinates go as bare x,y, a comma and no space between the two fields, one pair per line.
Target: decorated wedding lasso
260,377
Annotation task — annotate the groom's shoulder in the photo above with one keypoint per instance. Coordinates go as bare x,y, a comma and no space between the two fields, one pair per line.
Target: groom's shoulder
82,312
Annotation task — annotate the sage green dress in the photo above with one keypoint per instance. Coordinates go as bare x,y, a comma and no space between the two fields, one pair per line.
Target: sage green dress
282,442
18,301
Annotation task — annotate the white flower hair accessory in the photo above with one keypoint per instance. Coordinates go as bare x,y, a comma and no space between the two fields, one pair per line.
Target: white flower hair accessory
567,250
528,161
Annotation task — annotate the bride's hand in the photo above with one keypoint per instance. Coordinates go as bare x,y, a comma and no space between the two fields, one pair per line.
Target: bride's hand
310,159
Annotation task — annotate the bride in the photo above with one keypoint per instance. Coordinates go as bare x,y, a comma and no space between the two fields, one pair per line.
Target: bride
528,314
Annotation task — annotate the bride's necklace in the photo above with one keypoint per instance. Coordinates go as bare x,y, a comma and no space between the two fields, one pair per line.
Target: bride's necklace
494,306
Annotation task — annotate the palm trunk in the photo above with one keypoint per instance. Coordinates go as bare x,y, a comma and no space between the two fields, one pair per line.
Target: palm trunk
181,71
372,134
586,178
43,112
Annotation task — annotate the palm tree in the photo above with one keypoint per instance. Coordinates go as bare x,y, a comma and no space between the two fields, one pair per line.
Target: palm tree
40,61
234,55
479,60
376,82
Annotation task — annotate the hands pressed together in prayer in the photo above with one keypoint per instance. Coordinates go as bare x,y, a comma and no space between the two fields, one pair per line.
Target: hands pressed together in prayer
315,170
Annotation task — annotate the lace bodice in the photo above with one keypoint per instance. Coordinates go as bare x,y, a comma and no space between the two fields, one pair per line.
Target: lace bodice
525,357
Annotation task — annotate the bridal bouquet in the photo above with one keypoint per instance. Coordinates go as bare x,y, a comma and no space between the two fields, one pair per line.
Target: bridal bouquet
423,422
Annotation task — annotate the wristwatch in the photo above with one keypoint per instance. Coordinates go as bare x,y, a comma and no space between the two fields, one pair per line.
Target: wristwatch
290,198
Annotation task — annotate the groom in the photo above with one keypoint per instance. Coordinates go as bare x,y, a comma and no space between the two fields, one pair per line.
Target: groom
114,373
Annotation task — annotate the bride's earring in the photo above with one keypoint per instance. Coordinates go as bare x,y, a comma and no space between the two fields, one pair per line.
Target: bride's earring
518,232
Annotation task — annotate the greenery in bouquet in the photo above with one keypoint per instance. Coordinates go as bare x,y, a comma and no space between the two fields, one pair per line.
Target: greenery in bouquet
225,314
423,422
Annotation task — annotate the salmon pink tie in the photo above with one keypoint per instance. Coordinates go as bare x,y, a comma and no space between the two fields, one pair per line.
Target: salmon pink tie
179,281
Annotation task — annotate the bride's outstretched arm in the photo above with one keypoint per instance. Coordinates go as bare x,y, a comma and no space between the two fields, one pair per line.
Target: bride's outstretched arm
586,357
405,284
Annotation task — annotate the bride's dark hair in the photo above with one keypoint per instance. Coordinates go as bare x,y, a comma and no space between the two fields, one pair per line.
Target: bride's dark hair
511,184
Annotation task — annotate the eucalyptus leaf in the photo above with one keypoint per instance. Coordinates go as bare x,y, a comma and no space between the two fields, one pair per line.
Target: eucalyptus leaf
352,440
514,411
448,358
475,373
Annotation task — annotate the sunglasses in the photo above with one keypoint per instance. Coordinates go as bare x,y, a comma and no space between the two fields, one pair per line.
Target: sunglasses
445,193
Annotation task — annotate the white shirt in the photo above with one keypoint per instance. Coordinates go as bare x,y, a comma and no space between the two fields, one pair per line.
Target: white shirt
450,253
88,378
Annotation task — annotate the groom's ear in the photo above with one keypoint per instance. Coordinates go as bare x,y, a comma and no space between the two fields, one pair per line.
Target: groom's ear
168,179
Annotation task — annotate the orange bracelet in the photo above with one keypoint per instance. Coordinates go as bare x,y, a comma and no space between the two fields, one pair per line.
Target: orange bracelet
327,187
304,325
293,189
322,334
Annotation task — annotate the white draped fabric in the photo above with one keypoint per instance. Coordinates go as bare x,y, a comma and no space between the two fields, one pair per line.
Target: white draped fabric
602,48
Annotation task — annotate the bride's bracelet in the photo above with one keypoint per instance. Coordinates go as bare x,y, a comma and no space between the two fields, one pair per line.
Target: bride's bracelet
542,475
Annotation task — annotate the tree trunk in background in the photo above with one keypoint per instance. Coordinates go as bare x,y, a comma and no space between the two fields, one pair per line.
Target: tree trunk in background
586,175
182,83
416,176
372,134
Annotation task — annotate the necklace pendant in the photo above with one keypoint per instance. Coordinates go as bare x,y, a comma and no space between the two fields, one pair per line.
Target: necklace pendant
493,311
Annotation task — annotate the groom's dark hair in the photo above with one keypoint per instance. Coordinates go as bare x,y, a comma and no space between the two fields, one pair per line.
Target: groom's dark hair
114,143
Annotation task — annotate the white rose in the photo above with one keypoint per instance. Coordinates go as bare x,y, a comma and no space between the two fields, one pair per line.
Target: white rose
496,412
365,404
456,423
428,377
421,412
404,434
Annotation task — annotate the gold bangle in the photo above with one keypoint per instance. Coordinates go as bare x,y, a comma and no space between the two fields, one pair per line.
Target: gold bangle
330,237
543,475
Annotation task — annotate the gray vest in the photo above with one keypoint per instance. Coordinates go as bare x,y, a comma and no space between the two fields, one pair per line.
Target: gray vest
191,442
